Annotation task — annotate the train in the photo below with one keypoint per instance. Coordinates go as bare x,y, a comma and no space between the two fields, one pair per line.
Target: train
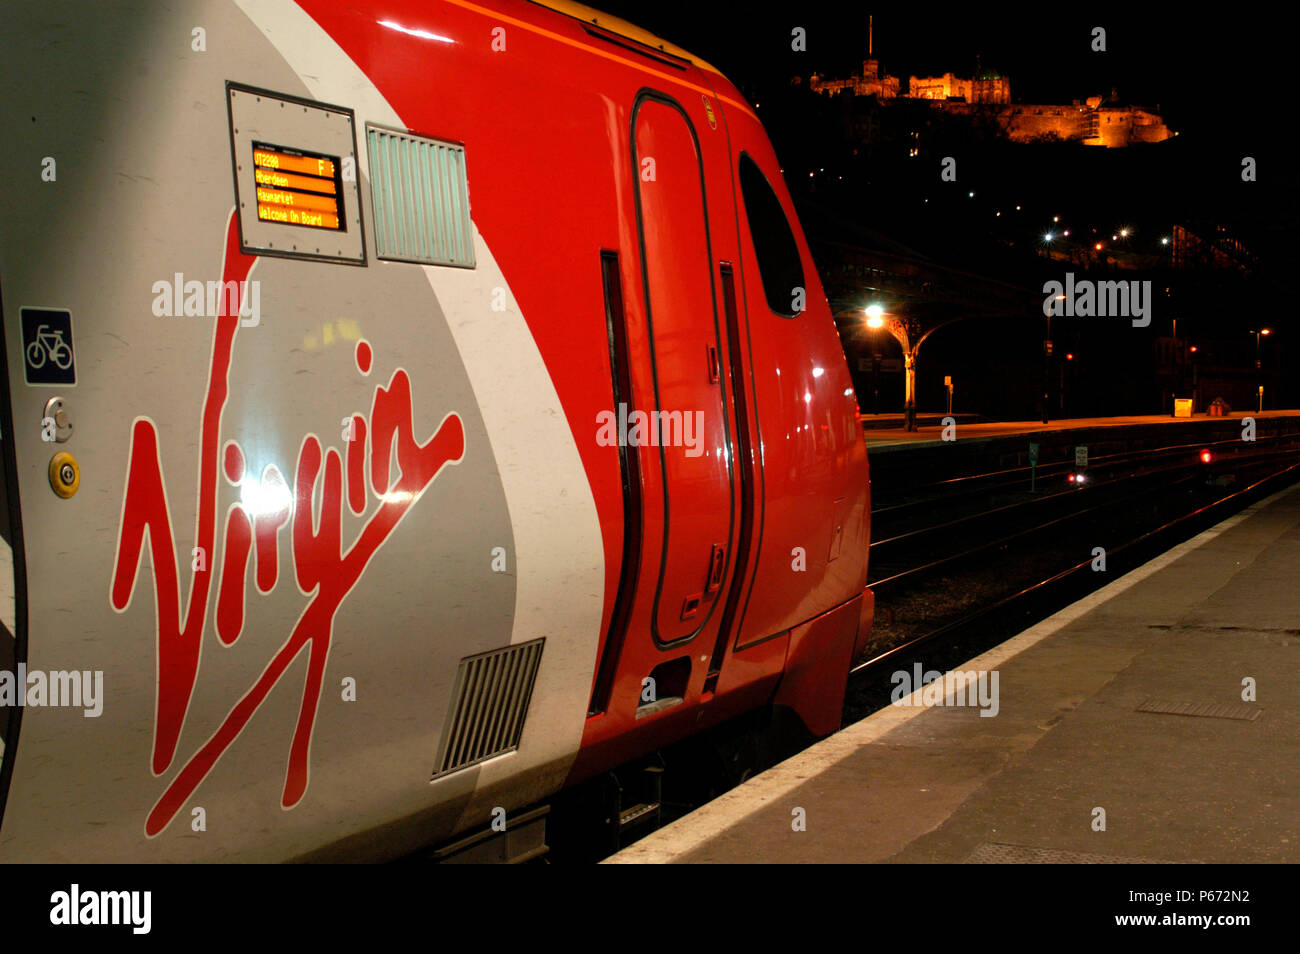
411,411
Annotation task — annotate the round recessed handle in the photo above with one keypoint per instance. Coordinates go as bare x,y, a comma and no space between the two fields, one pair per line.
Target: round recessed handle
56,409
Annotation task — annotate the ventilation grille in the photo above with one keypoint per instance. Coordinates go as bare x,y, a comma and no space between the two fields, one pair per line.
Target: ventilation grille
489,705
421,199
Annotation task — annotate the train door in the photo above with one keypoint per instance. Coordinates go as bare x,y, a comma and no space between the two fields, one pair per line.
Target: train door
680,432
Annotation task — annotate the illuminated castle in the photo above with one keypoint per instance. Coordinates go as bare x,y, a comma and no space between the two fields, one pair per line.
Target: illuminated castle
1096,121
867,83
987,87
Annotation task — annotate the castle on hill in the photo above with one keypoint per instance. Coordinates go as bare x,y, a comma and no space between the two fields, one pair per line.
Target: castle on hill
1095,121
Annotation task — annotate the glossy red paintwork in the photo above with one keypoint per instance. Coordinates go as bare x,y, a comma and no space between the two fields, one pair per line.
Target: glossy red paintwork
548,126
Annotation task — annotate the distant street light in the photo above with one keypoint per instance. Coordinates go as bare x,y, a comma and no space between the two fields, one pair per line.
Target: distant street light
1196,389
1259,375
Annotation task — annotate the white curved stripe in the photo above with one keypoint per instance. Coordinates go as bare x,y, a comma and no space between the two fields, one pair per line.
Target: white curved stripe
559,555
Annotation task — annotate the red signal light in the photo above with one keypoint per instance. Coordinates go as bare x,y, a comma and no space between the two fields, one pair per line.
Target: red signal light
1206,456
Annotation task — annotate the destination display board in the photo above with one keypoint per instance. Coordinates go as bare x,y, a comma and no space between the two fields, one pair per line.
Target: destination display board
295,187
295,172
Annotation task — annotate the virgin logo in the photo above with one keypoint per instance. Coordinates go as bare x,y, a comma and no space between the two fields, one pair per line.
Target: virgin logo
324,570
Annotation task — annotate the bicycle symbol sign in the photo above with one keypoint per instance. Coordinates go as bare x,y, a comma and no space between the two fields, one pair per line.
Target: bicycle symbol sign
47,346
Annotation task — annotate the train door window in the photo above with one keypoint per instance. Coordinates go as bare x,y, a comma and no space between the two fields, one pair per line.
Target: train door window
779,267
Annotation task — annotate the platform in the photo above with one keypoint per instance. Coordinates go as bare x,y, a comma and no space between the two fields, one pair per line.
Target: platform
1221,783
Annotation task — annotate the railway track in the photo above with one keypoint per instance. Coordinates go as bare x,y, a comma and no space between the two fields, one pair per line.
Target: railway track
914,502
1133,527
902,558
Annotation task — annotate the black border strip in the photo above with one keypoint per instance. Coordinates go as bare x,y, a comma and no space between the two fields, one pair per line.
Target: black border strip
14,717
630,468
746,461
635,46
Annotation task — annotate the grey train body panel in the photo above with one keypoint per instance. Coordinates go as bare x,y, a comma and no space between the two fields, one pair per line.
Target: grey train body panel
142,192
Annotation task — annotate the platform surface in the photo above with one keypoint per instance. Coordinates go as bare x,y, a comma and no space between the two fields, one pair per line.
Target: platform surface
883,431
945,784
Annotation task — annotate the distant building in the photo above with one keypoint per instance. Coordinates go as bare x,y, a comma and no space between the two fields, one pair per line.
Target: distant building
988,87
1094,122
1112,123
870,82
942,87
867,83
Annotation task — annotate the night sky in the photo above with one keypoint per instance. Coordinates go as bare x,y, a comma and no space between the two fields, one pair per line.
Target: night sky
1222,83
1225,76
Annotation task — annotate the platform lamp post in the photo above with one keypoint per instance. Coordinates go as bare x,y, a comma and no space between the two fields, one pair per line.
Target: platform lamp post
1047,364
1196,388
1259,374
1178,367
1047,354
877,319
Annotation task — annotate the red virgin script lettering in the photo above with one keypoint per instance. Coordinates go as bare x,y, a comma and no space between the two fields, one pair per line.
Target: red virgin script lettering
322,568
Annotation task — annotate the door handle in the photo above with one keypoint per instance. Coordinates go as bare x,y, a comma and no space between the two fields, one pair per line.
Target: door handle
717,566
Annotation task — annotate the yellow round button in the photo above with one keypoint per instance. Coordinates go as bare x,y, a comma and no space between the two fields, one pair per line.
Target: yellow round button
65,475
